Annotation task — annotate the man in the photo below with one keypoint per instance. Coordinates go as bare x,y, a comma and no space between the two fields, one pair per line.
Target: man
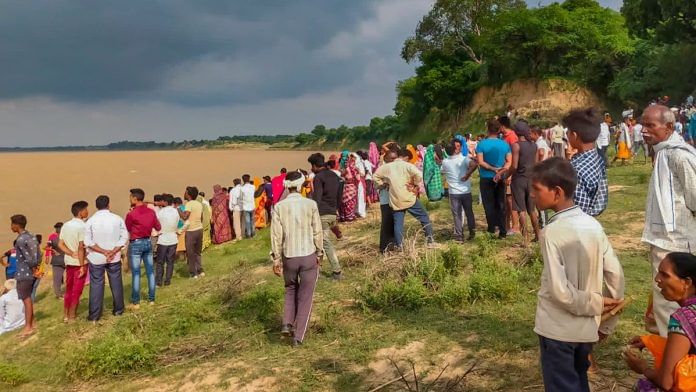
511,215
386,232
140,222
57,261
494,155
557,136
236,208
105,237
638,142
71,242
248,206
326,195
670,222
458,170
27,259
403,178
297,250
603,139
193,215
167,241
11,308
268,189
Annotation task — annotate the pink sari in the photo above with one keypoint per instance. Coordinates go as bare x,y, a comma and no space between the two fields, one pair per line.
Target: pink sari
221,217
350,192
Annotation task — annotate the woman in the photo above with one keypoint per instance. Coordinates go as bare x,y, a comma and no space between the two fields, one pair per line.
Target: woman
260,199
431,176
207,217
414,154
221,216
374,156
623,140
675,357
349,199
362,186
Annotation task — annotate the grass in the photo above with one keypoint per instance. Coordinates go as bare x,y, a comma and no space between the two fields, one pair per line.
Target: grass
463,305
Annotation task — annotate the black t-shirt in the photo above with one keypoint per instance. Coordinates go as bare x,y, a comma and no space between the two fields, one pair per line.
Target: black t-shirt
326,192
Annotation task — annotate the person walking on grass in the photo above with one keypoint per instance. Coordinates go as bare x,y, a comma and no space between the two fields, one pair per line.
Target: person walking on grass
494,155
72,237
140,223
592,191
579,265
167,241
193,217
327,196
670,212
297,248
458,169
57,261
27,259
105,237
402,179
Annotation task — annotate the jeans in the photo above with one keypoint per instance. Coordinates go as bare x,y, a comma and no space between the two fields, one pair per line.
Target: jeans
386,232
249,224
458,204
141,251
493,197
564,365
327,222
417,211
96,289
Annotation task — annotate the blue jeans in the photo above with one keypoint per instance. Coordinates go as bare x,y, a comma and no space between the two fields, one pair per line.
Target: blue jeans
249,223
417,211
141,250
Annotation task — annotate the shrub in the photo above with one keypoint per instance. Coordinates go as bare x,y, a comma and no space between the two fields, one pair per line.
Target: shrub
264,303
409,294
454,292
12,375
452,259
491,280
111,355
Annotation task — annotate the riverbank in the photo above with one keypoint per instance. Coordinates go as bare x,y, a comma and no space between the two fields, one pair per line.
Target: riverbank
222,332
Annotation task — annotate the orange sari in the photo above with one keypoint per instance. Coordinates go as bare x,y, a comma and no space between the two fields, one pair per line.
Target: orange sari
260,211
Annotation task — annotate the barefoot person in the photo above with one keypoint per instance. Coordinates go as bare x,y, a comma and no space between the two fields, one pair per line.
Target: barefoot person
297,249
27,259
578,262
72,237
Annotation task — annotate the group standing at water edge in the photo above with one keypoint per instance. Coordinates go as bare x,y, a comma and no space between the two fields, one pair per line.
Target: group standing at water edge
555,179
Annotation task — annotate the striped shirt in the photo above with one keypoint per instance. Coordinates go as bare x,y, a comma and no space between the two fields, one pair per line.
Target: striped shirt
296,228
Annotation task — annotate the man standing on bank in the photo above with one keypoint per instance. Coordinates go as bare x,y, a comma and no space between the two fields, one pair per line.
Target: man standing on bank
670,223
193,216
326,194
297,249
140,222
27,259
105,237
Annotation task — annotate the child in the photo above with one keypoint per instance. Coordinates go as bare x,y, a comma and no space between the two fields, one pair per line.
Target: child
578,259
592,192
11,263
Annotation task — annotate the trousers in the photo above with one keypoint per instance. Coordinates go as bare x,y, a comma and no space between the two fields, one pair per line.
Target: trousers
58,272
194,248
493,198
417,211
327,222
166,255
141,251
300,275
96,289
386,232
564,365
74,284
462,203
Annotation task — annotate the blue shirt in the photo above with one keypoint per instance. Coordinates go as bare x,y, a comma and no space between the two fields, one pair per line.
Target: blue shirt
494,152
11,268
592,191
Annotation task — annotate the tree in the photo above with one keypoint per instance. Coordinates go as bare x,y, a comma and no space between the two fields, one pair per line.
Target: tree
453,25
668,21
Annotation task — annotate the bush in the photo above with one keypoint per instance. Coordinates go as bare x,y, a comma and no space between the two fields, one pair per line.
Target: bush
12,375
409,294
264,303
452,259
491,280
454,292
111,355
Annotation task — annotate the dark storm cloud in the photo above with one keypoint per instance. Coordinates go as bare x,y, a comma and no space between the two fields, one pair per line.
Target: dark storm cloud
87,50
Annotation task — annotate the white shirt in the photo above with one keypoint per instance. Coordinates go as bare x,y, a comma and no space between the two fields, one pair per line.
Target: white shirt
248,191
368,169
11,312
106,230
236,198
296,228
543,146
638,133
603,138
454,168
169,220
72,233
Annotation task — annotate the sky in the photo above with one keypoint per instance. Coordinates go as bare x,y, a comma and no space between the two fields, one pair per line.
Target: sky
87,72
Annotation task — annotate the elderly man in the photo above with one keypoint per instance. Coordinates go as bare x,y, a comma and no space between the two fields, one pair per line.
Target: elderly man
11,308
670,225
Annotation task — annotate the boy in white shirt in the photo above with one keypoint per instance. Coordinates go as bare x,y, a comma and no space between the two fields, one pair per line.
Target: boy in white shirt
578,260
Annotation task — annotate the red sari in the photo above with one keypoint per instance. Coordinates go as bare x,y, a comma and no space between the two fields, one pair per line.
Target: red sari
350,192
221,217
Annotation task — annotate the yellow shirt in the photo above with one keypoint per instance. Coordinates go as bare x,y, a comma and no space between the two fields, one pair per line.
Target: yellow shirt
195,219
399,176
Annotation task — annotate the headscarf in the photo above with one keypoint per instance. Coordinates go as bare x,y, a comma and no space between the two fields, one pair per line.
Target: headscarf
344,158
373,155
333,158
219,195
414,153
462,140
431,176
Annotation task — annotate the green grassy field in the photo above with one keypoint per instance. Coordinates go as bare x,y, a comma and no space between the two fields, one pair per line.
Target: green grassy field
456,318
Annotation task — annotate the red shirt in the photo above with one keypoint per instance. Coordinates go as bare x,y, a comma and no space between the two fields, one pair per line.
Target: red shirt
140,222
510,137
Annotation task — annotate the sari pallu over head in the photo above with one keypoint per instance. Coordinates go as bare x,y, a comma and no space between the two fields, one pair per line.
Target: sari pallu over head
431,176
373,155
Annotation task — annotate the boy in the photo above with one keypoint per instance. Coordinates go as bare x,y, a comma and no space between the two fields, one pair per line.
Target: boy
11,263
578,259
592,191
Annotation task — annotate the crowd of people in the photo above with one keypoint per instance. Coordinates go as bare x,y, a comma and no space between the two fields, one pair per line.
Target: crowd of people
554,180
